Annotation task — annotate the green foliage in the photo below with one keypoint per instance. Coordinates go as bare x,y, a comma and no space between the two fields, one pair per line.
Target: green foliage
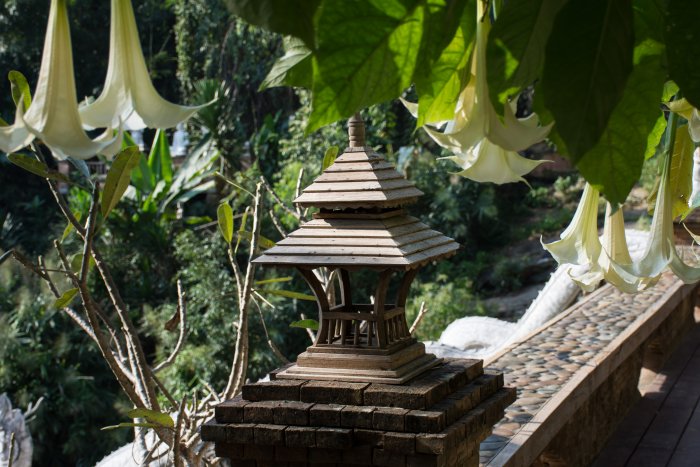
32,165
681,32
224,215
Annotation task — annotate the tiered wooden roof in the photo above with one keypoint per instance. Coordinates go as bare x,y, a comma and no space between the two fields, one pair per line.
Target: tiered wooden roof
360,223
359,178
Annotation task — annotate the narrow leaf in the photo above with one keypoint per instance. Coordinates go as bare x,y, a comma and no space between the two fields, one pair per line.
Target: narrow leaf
589,58
69,228
66,298
274,281
30,164
159,160
118,178
288,294
263,242
305,324
20,89
152,416
329,157
224,215
130,425
76,262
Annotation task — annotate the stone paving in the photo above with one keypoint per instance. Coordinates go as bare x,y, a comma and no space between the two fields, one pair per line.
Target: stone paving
543,363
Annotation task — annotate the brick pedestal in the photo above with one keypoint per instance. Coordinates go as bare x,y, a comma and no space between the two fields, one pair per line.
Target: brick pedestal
437,419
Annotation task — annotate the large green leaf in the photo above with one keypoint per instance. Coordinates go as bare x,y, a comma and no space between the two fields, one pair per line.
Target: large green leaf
118,178
367,53
615,162
159,161
589,58
141,176
440,81
32,165
294,68
286,17
224,215
20,88
683,45
517,42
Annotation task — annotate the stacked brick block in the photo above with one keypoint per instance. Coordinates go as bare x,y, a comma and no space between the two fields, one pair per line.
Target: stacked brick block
437,419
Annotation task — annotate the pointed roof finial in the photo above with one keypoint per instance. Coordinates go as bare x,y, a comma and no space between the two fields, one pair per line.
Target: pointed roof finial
356,131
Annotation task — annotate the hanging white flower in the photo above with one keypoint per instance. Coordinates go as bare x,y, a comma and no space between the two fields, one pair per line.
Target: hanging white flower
53,116
484,146
128,92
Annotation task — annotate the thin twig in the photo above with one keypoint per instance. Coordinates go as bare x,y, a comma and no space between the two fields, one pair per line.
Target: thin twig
182,313
311,334
279,201
297,192
419,317
273,347
277,224
176,441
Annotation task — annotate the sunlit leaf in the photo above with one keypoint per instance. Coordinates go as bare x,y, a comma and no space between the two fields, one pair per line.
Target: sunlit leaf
305,324
329,157
152,416
287,294
118,178
682,172
274,281
160,162
224,216
66,298
20,88
76,262
130,425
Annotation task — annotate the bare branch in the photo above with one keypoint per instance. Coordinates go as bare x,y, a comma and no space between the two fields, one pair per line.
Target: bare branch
277,199
297,192
11,459
89,236
178,428
239,367
273,347
277,224
419,317
311,334
182,312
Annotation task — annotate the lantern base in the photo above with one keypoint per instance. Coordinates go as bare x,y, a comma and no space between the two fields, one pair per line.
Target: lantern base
380,366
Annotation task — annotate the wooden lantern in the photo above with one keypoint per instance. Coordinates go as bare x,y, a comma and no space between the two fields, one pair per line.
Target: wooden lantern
361,225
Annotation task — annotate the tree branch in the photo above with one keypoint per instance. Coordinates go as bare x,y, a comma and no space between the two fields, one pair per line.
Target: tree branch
182,313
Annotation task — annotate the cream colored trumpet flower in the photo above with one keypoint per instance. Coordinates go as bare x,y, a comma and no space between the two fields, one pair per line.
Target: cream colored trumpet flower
613,256
53,115
579,243
484,146
604,256
128,92
16,136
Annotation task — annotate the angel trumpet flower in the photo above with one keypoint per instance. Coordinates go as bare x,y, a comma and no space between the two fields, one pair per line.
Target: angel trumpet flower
484,146
128,92
580,245
16,136
53,115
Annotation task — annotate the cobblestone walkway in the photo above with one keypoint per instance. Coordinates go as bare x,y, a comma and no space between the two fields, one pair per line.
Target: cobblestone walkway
541,365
